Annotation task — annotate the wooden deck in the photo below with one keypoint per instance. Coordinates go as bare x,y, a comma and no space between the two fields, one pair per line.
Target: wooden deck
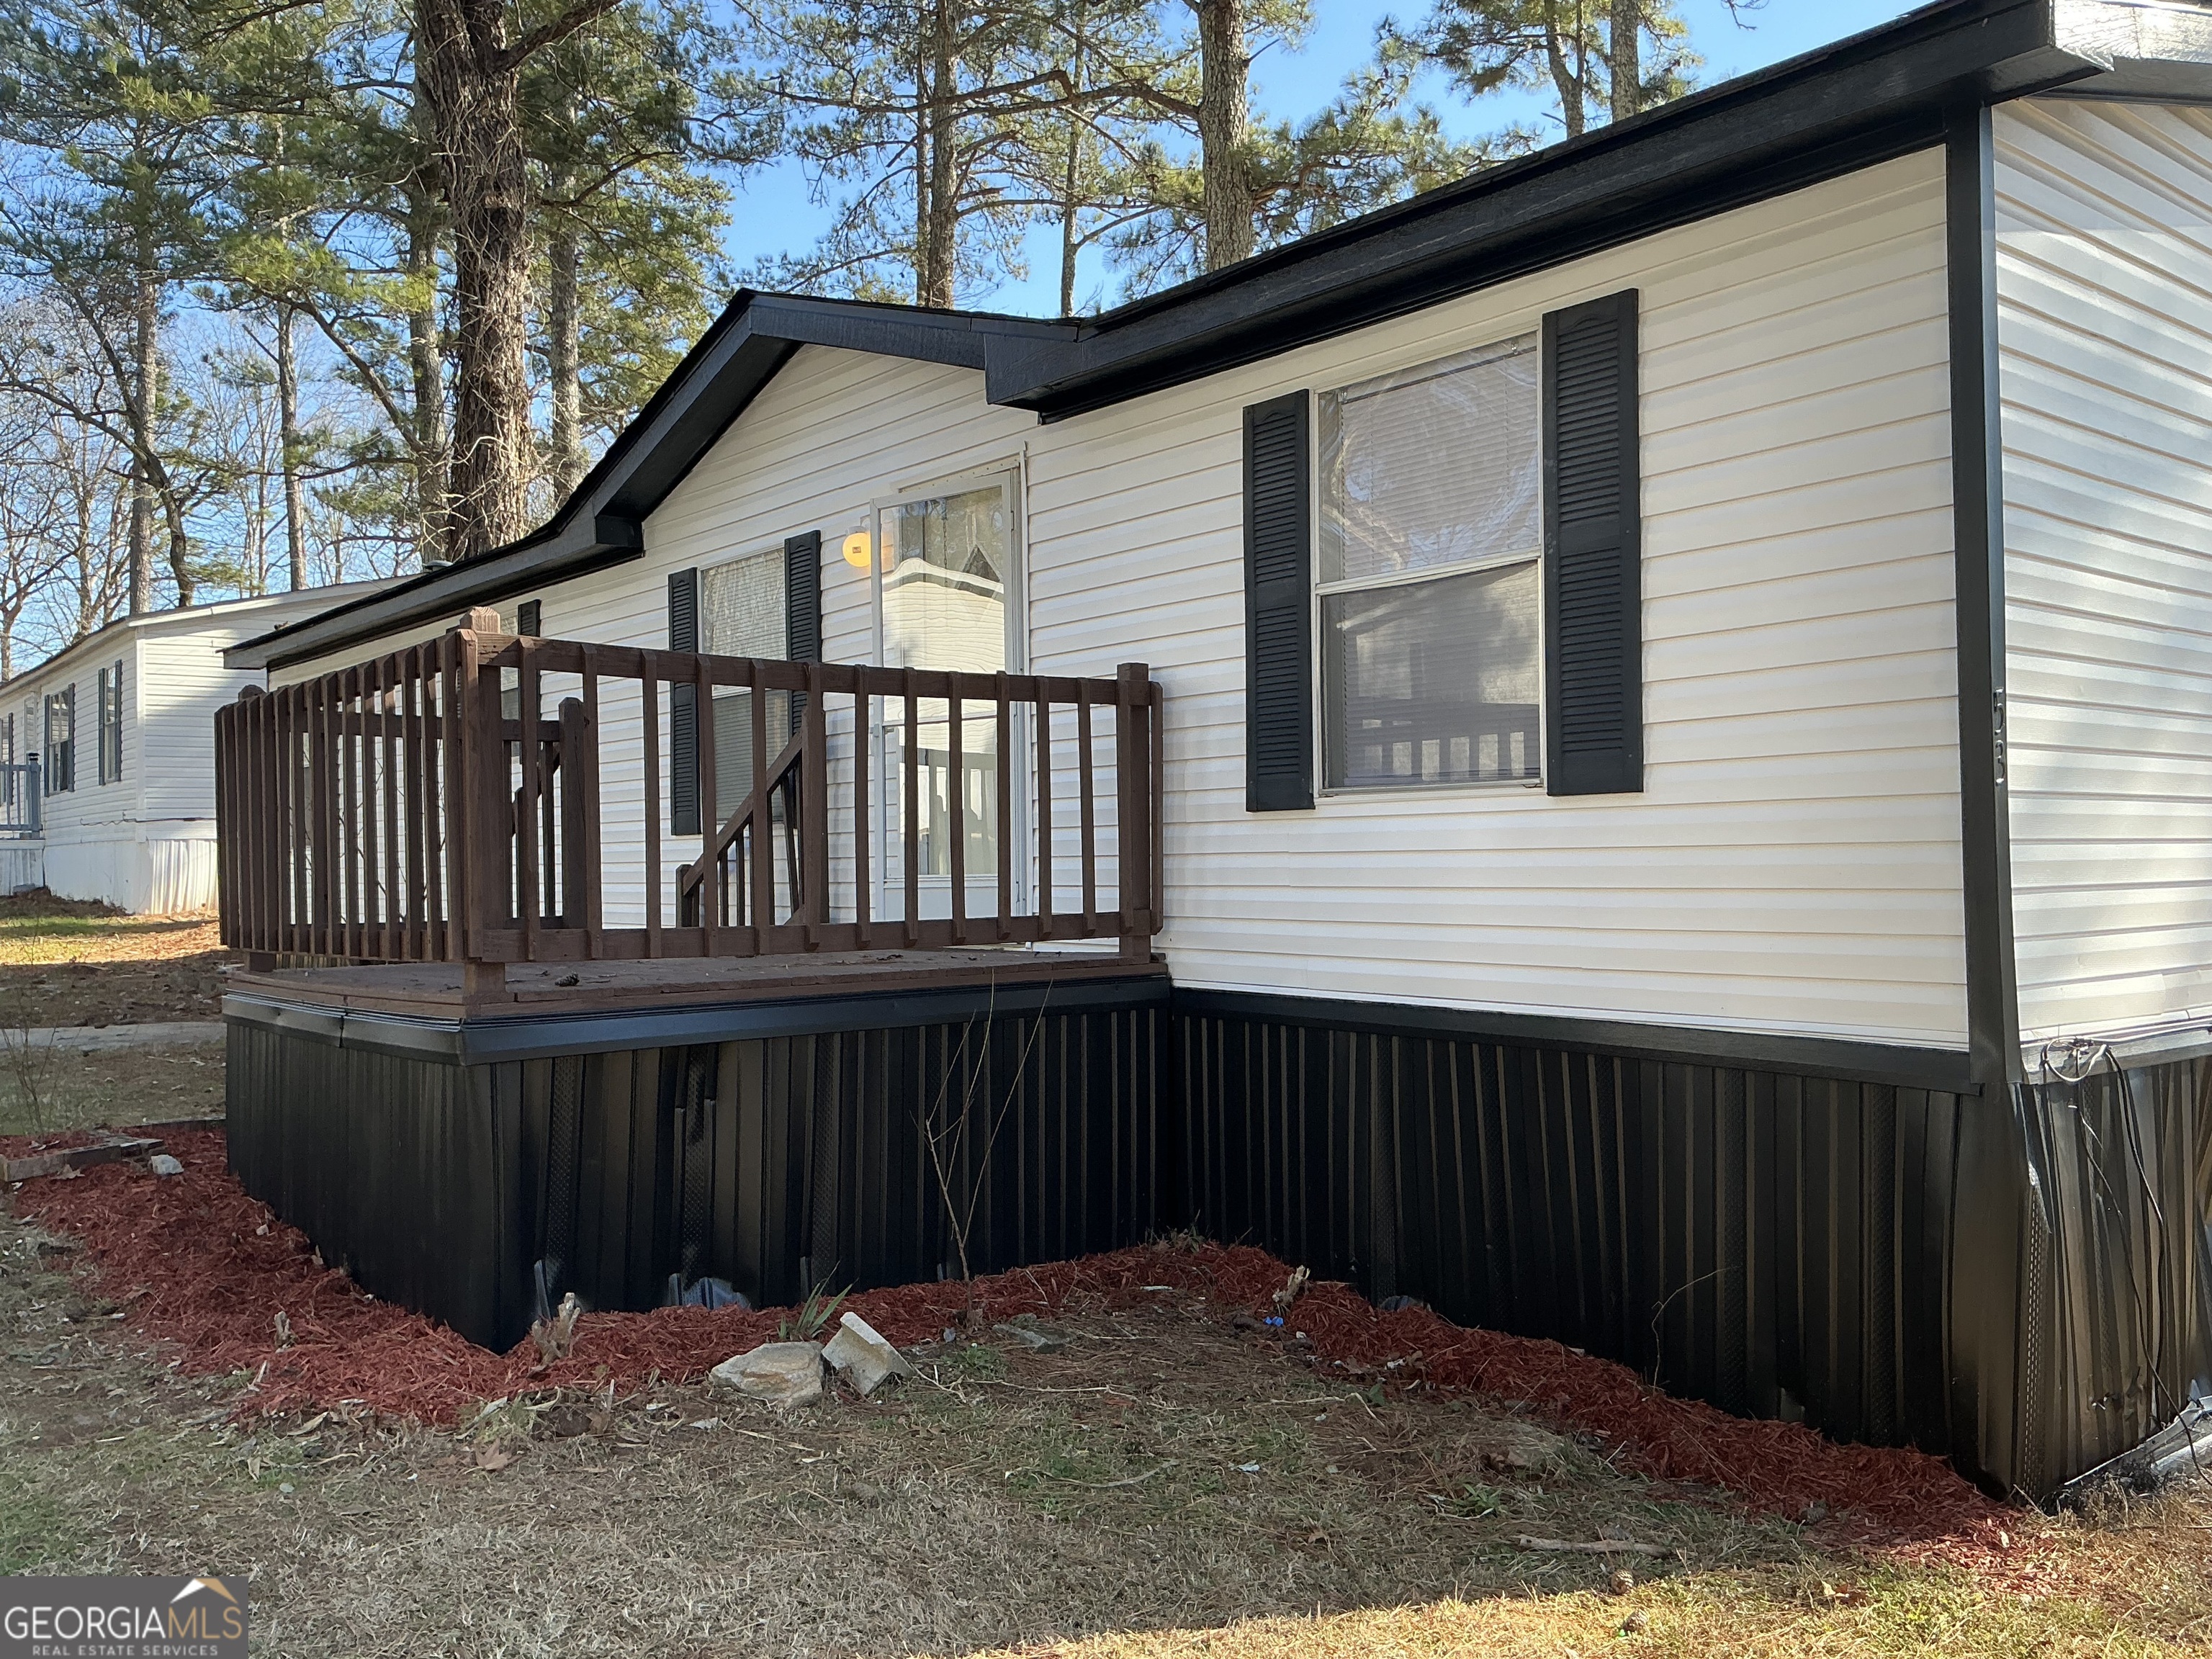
432,989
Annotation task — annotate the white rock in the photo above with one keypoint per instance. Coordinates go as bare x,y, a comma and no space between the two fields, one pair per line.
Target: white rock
162,1164
862,1357
780,1373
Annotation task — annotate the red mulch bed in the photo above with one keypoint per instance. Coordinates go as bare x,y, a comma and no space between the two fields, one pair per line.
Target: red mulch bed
197,1262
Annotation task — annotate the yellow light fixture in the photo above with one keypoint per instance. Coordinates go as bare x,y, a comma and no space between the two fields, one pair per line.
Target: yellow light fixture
857,549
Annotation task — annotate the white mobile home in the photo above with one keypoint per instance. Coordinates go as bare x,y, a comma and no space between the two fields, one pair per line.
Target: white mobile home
118,731
1685,696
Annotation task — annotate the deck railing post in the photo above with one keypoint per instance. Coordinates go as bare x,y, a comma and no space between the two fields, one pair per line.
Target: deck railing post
487,814
814,813
1133,773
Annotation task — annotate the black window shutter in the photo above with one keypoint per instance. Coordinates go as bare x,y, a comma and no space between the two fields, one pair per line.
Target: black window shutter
683,709
529,618
802,597
1277,605
1593,551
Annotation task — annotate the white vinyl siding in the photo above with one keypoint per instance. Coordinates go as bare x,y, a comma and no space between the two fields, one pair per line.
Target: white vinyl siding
146,841
2104,289
1794,863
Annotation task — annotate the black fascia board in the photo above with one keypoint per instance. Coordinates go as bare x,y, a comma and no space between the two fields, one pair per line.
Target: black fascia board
601,523
1861,101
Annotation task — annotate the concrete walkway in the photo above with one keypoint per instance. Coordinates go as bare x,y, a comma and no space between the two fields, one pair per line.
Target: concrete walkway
97,1039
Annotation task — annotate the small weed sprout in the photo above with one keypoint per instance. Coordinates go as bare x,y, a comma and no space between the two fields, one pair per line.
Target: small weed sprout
807,1322
959,1164
28,1061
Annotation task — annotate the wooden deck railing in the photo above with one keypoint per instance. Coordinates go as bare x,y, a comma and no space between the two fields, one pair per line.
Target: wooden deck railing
424,806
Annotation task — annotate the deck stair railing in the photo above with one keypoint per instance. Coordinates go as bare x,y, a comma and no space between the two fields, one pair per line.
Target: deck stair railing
427,806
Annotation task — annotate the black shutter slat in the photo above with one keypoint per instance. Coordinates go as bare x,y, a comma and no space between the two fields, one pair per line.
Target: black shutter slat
529,618
683,709
1277,605
1593,551
802,597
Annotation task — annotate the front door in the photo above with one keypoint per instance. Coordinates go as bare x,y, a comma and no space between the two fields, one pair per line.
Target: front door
948,585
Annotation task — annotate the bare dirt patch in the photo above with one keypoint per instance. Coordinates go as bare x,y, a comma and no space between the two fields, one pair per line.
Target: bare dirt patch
67,963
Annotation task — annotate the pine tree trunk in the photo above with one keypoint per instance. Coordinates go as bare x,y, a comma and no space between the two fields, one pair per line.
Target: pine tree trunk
1564,80
1070,245
425,360
146,372
944,211
1624,58
564,259
474,92
1223,117
288,441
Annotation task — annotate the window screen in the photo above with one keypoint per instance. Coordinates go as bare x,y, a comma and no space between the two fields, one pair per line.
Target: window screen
1431,516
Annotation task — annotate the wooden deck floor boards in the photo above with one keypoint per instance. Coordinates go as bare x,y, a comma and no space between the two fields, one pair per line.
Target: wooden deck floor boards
432,989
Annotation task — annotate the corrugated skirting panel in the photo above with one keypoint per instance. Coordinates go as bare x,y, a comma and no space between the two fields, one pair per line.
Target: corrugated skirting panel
775,1163
2114,1230
1875,1259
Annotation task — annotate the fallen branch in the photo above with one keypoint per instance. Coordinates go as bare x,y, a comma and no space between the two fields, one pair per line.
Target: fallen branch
1108,1486
1602,1547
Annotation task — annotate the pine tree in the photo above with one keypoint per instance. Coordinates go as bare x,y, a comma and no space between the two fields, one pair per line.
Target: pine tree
469,55
110,96
633,132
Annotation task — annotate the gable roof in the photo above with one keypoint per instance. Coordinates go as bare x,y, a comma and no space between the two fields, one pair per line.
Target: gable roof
242,612
1861,101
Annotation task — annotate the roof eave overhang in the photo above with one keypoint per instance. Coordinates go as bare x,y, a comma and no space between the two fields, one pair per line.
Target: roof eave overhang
1862,102
603,523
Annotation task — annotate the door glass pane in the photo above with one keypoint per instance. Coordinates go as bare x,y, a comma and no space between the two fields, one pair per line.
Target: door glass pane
741,614
1434,682
945,581
944,569
1431,466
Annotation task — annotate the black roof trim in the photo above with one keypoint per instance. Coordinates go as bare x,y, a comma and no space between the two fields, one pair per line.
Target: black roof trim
1861,101
600,523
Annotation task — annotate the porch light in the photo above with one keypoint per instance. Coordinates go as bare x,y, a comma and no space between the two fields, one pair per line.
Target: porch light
856,549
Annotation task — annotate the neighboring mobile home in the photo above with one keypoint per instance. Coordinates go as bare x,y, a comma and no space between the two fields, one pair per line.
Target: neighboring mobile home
1677,705
116,739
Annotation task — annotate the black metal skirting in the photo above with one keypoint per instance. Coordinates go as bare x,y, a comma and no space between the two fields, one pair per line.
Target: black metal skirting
2022,1281
773,1163
2017,1282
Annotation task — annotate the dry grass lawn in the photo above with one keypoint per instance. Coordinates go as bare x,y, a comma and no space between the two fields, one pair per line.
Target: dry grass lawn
66,963
1161,1488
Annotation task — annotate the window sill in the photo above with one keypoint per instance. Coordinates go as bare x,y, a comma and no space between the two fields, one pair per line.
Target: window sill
1430,790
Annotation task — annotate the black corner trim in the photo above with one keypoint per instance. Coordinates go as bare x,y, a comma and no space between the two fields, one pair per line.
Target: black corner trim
682,708
1978,512
1278,679
1944,1070
1593,551
802,597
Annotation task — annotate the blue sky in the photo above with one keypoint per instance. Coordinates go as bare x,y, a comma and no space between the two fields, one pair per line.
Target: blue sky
773,213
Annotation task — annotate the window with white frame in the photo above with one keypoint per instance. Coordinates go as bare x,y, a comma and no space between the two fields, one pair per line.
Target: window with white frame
1428,575
111,723
61,741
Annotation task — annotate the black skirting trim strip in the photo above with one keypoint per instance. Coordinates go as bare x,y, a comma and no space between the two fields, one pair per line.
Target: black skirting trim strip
1840,1058
490,1041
